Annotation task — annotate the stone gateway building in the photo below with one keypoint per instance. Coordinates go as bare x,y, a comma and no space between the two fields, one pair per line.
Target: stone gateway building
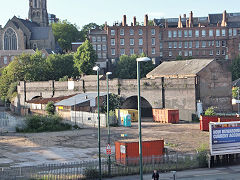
33,33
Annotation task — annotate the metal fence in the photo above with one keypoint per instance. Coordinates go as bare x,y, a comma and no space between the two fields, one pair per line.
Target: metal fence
89,169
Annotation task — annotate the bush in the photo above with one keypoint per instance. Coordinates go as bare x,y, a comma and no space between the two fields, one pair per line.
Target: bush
202,156
90,173
38,123
210,111
50,108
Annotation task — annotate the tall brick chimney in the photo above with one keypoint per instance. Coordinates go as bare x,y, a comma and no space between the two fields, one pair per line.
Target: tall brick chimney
166,23
105,26
187,23
190,19
146,20
180,22
124,22
224,19
134,21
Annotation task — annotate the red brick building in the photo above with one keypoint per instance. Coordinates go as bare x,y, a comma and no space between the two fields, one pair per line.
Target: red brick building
215,36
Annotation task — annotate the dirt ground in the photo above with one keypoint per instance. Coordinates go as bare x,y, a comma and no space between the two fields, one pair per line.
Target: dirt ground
77,145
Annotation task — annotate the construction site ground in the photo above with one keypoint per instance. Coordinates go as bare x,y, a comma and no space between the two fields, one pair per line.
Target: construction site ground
29,149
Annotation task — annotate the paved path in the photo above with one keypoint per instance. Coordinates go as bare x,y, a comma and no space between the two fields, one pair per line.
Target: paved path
224,173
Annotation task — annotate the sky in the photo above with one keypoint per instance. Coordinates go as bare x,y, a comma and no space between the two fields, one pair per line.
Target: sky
81,12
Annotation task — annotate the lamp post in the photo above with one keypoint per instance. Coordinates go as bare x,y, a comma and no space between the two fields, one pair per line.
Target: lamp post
109,157
143,59
96,68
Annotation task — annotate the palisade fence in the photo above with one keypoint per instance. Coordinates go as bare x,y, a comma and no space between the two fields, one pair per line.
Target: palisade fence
89,169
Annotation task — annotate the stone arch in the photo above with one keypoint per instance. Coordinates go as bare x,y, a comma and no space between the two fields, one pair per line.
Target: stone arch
132,103
10,39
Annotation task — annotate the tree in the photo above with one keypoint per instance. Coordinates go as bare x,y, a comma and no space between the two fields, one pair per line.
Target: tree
23,68
126,67
236,68
115,102
86,28
60,66
50,108
235,92
85,58
210,111
65,33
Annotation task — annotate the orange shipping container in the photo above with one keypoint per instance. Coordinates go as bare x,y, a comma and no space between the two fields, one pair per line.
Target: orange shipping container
166,115
127,151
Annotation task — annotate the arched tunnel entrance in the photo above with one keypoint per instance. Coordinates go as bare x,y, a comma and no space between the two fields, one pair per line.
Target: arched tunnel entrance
132,103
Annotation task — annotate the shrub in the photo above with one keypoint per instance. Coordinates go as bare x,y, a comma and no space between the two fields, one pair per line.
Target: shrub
38,123
90,173
202,155
50,108
210,111
64,78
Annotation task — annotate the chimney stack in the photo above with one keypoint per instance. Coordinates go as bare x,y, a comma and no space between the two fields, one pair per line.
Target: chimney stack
190,19
146,20
224,19
134,21
124,22
187,23
184,16
166,23
105,26
180,22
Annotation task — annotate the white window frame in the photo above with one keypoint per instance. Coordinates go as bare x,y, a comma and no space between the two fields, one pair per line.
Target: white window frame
122,42
153,41
121,32
174,34
179,33
153,32
153,50
131,32
112,32
131,41
140,41
113,52
140,32
189,33
203,33
210,32
218,32
169,34
223,32
113,42
196,33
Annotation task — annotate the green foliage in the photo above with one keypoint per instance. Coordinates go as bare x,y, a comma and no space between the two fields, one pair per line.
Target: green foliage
210,111
115,102
150,23
23,68
64,78
126,67
66,33
50,108
44,124
60,66
86,28
85,58
12,91
235,92
236,68
202,155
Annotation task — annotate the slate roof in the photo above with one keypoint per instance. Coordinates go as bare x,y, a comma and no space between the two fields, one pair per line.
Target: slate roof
16,52
186,68
79,99
40,33
28,24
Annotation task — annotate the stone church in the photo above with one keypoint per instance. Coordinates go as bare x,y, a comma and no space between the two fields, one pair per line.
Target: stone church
20,35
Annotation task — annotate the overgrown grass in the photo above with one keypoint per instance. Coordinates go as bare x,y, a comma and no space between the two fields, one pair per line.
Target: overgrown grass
36,123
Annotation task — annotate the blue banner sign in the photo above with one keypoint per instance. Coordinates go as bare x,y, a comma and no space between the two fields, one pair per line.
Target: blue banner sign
223,135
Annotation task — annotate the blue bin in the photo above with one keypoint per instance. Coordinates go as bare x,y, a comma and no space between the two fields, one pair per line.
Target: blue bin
127,120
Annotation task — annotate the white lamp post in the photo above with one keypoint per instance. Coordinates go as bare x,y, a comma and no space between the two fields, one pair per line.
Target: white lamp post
142,59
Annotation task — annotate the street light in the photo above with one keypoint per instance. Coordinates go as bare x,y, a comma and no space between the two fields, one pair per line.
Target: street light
109,158
96,68
142,59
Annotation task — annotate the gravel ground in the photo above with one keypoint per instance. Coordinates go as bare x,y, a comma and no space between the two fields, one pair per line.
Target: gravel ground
18,149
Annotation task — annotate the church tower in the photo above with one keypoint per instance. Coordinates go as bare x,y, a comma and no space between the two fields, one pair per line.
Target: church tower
38,12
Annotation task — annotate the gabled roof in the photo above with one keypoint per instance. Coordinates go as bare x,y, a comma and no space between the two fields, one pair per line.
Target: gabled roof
79,99
186,68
